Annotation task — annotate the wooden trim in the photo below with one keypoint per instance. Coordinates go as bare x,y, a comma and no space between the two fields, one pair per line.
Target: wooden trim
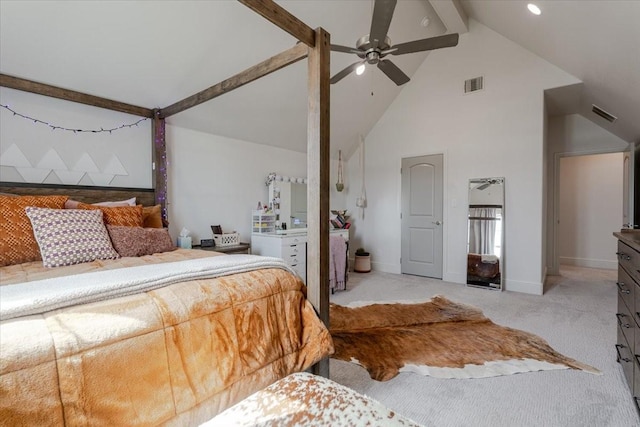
318,145
159,145
279,16
81,193
281,60
71,95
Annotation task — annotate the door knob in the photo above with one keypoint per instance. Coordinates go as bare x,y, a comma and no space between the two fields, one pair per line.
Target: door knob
437,222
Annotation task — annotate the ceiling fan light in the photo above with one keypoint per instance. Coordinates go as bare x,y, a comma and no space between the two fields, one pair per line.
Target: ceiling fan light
534,9
360,69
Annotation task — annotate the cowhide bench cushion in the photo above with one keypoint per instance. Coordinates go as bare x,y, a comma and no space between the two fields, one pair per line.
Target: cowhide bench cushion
303,399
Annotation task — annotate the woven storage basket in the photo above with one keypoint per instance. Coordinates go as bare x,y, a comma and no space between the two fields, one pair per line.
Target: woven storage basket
227,239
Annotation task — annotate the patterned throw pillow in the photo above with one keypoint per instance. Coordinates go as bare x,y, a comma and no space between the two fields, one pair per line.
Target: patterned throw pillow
70,236
138,241
130,216
17,243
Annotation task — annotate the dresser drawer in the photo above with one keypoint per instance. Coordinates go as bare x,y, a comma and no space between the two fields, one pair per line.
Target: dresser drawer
626,322
629,259
294,240
636,366
294,250
627,290
301,269
625,358
294,260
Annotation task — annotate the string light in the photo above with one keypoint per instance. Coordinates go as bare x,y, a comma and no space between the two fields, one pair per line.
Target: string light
54,127
161,147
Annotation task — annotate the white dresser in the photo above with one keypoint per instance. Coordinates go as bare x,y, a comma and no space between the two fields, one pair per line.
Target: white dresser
291,247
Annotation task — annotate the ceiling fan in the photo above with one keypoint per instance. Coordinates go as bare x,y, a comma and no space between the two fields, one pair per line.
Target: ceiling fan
373,47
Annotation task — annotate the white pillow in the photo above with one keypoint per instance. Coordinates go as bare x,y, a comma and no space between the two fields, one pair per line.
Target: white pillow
70,236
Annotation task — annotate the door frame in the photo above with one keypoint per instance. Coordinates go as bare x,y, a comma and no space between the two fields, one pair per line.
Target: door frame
554,267
445,210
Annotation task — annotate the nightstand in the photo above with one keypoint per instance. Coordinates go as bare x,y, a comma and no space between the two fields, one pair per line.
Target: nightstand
241,248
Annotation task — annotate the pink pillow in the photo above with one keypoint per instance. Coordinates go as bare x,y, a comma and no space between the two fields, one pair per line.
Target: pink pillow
138,241
73,204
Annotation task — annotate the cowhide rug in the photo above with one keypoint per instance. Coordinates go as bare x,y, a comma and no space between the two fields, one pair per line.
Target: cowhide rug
439,338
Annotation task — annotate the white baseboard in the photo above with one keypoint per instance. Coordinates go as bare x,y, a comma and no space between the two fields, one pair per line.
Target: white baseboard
386,267
511,285
590,263
455,277
524,287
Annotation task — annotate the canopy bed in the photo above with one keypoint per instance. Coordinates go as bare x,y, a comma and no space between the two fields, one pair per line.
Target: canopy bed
170,350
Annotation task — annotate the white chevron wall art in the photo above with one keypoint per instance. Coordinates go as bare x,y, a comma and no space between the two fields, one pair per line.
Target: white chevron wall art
52,168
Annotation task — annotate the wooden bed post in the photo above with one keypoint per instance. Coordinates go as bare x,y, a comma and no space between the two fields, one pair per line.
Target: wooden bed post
159,156
318,159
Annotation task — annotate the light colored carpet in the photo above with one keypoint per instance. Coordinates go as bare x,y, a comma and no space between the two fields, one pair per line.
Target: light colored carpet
577,318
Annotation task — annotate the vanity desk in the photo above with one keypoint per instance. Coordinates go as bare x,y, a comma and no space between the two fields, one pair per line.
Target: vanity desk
290,245
282,232
628,313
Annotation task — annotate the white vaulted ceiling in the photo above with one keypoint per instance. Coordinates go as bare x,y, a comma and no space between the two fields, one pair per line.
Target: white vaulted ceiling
154,53
596,41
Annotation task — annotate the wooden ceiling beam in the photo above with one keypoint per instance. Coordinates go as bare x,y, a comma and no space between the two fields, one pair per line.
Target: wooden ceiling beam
279,16
281,60
73,96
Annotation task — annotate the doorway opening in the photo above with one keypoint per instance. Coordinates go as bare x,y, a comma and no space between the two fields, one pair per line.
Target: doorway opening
589,209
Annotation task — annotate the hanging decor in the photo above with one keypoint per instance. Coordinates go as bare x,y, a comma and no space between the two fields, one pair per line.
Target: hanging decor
54,127
340,183
361,201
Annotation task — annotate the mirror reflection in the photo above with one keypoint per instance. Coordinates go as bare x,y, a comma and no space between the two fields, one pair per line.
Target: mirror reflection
290,200
485,260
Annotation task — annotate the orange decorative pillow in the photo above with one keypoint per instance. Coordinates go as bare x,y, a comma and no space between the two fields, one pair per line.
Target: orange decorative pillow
130,216
152,216
17,242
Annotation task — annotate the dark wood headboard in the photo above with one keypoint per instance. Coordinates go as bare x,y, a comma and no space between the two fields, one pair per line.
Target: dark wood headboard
82,193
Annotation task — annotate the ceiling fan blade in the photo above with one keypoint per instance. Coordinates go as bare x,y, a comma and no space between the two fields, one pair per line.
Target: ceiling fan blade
448,40
345,49
393,72
382,14
344,73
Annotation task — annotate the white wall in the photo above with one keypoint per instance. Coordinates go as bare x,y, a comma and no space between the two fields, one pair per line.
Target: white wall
218,180
33,152
590,209
495,132
570,135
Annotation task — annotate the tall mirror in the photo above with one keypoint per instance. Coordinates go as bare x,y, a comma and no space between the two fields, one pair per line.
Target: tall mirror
485,243
290,201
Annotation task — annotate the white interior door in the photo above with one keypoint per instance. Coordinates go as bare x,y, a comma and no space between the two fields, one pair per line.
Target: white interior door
421,214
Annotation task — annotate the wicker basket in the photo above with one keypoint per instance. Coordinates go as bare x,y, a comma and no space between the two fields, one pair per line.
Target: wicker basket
227,239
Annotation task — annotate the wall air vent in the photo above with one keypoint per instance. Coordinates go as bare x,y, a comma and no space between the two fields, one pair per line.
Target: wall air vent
474,84
599,111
